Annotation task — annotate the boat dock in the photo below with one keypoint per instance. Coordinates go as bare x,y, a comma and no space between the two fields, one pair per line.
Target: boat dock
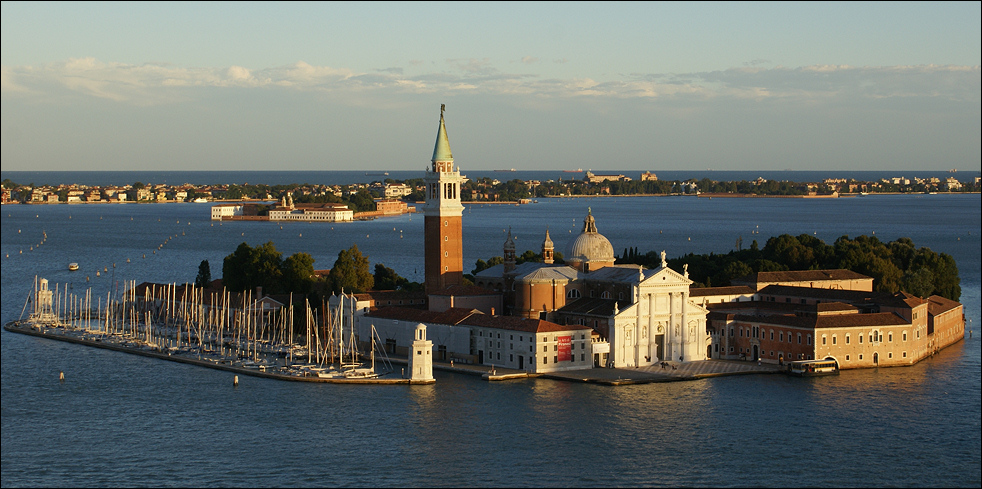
672,372
97,340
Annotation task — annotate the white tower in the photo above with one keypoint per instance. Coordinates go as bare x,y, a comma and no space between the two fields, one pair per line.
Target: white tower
421,357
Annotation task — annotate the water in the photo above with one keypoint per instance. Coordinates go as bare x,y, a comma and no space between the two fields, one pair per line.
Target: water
124,420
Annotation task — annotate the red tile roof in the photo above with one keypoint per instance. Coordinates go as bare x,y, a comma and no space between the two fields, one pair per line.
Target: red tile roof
451,316
520,324
940,305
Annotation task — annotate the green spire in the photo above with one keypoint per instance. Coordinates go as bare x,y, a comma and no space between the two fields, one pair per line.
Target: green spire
441,150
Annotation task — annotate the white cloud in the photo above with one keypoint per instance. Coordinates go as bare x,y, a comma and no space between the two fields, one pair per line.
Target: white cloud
151,84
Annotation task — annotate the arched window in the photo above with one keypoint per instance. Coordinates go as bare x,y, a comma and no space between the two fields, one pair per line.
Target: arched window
605,295
573,294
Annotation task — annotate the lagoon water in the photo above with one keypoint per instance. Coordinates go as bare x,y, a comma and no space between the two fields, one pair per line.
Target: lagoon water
125,420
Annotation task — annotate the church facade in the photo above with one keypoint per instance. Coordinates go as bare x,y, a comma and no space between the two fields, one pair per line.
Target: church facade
641,316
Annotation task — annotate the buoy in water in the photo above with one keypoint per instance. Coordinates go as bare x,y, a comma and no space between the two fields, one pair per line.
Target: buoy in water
235,381
61,376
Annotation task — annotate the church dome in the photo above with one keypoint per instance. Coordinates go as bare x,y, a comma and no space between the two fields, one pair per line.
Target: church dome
589,247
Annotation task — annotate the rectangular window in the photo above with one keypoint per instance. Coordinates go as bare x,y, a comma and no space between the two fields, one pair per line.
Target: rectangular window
833,339
545,360
555,359
847,339
890,337
847,358
860,339
772,335
905,336
545,348
823,340
905,354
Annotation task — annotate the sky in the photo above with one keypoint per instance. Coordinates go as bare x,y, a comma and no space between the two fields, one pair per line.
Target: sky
537,86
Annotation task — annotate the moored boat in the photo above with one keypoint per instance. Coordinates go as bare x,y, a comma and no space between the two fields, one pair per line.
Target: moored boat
813,368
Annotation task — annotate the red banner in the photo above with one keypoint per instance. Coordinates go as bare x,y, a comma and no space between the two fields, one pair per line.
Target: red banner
565,348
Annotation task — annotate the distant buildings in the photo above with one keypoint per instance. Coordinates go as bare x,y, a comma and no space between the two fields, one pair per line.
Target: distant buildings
596,178
287,211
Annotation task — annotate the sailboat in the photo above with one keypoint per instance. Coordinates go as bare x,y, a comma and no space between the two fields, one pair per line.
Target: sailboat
350,365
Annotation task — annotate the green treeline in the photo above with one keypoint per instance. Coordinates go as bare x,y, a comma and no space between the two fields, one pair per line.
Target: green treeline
263,266
894,266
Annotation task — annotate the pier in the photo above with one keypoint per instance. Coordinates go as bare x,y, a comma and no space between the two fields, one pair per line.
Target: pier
98,340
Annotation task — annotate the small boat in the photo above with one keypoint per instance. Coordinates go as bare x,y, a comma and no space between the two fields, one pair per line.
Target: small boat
73,267
813,368
509,169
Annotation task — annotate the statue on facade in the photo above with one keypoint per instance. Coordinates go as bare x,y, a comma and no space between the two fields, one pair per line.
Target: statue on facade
664,262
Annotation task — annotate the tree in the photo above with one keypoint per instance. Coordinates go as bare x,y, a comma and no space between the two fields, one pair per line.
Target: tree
236,268
350,272
204,274
919,282
480,264
298,270
269,273
247,268
387,278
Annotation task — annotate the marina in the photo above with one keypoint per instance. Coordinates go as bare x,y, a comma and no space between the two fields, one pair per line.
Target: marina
189,325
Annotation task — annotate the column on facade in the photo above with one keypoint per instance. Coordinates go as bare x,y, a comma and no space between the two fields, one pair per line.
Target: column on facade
652,347
670,342
689,340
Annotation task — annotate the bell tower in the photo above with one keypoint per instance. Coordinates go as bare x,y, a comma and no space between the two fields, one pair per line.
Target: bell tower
443,249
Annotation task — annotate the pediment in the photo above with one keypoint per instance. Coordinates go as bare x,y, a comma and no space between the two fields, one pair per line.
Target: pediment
664,277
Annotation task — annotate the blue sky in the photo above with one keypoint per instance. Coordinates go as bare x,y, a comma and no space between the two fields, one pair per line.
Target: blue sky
629,86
